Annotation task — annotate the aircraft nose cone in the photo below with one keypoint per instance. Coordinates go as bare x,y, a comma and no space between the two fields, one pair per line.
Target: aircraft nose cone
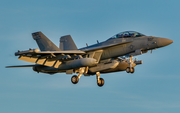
161,42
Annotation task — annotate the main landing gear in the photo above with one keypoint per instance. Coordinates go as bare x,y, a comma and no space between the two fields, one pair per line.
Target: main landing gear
75,78
100,81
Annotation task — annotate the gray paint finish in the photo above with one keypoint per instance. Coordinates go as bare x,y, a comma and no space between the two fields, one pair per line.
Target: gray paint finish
66,43
44,43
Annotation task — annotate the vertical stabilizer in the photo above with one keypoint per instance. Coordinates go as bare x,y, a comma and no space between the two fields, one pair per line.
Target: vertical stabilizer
44,43
67,43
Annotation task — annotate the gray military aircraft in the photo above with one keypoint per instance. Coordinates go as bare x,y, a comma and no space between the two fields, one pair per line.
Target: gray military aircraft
113,55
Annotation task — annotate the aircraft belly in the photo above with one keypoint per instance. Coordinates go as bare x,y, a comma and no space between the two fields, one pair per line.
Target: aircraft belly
122,66
104,66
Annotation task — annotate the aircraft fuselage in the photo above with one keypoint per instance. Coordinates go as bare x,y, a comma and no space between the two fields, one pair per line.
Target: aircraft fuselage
143,43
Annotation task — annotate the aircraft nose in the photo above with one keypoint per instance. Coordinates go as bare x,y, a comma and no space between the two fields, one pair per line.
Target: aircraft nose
161,42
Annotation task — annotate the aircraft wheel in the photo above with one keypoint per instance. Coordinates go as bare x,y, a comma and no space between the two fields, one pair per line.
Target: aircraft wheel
128,69
74,79
132,70
100,82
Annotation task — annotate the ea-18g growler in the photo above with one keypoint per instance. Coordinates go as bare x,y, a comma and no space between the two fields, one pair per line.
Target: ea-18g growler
113,55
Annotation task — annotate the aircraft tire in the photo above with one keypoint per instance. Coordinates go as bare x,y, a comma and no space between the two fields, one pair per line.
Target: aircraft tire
74,79
100,83
132,70
128,69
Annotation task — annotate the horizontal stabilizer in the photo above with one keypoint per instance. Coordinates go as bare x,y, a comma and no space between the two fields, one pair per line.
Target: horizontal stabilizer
67,43
22,66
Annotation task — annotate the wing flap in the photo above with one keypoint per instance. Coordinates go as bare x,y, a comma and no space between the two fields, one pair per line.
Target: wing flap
49,63
44,61
28,59
40,61
56,64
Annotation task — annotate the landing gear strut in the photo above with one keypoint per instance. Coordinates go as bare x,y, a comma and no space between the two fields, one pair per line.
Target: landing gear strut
100,81
75,79
130,69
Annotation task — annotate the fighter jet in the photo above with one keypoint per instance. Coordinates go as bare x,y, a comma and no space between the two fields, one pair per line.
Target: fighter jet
113,55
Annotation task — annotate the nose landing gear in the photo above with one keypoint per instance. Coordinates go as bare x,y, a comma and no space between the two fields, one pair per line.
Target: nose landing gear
130,69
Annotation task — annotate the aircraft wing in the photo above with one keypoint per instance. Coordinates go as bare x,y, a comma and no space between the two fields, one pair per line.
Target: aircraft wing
61,52
36,52
104,46
48,58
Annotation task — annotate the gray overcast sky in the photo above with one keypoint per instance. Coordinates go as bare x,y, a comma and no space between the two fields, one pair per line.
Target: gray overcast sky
154,87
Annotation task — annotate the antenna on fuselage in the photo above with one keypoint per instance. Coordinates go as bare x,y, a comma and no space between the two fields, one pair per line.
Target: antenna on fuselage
97,41
86,44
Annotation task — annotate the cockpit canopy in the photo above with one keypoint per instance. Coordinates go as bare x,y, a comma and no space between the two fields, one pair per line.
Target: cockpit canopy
127,34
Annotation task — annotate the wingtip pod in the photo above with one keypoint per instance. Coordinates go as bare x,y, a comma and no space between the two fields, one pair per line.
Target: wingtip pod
26,52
